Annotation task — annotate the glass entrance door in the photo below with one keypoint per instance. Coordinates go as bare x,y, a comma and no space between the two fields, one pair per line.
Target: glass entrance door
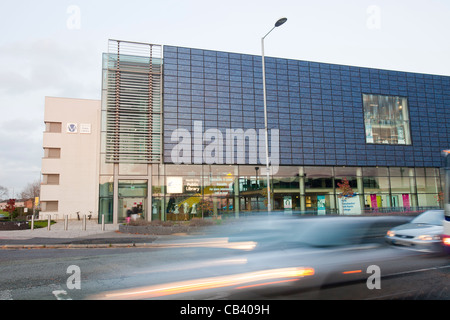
133,208
132,200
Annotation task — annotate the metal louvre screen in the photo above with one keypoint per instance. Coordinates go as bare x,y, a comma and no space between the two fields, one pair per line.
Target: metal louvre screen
133,80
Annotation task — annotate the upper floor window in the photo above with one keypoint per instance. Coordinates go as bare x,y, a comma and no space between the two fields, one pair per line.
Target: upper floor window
386,119
54,153
53,127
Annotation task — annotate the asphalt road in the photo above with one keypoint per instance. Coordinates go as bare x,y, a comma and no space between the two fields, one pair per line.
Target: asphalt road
51,274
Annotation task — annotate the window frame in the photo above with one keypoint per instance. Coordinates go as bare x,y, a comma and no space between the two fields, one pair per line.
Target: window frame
407,133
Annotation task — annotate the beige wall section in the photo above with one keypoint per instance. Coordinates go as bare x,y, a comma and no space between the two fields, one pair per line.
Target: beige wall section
78,163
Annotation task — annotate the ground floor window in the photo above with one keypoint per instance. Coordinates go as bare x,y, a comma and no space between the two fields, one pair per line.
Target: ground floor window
210,191
182,193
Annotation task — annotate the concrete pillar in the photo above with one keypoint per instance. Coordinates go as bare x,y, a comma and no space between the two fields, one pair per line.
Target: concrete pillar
301,183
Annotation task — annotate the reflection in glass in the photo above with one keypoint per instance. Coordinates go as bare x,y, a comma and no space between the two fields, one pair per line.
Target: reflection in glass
132,199
386,119
105,206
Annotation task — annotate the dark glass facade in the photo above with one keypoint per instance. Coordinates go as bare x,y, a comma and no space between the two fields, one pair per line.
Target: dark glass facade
317,107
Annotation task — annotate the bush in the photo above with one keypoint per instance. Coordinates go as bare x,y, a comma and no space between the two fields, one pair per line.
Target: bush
42,224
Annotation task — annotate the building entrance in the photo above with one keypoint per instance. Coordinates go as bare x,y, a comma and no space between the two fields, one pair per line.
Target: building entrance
132,199
132,208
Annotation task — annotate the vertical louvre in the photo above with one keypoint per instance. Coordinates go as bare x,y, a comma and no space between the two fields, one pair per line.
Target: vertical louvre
133,102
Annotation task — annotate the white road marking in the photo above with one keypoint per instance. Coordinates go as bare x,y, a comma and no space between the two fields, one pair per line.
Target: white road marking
61,295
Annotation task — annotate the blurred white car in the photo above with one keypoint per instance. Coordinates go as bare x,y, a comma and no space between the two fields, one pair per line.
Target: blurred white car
422,233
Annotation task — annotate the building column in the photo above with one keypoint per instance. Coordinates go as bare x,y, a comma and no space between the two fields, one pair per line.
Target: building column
149,208
236,192
413,188
116,194
301,184
360,188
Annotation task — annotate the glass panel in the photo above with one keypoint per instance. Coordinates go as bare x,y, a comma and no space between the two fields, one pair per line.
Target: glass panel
428,200
375,172
132,102
106,186
346,171
288,171
106,209
375,201
105,205
399,172
311,172
376,184
184,207
285,183
386,119
132,199
400,184
132,208
427,184
183,170
251,178
401,201
319,183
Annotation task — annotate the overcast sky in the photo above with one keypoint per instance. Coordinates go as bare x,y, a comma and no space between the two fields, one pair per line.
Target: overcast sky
54,47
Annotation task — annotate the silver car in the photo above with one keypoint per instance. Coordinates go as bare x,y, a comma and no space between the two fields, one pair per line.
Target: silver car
422,233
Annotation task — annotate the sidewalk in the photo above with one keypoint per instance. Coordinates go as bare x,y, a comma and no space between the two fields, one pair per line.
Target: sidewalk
73,237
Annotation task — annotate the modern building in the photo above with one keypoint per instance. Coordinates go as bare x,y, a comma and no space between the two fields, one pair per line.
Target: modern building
182,135
70,167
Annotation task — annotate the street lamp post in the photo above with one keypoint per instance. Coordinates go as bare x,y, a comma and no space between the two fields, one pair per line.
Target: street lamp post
269,200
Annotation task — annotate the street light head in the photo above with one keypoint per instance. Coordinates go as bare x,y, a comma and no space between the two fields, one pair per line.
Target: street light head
280,22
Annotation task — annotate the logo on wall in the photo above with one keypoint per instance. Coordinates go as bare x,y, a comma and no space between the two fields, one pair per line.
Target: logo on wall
72,128
174,185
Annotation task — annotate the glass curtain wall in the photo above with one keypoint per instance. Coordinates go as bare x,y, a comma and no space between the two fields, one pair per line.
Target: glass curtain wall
183,192
131,128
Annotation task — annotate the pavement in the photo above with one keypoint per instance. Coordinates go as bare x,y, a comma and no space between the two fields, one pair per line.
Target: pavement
93,236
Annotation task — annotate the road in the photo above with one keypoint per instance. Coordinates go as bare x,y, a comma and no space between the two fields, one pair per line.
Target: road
53,274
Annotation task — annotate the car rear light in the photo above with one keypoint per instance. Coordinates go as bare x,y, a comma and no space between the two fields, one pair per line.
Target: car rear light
446,240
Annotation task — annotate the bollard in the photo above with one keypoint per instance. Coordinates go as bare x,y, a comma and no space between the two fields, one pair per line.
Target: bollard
84,223
66,222
48,223
103,222
32,222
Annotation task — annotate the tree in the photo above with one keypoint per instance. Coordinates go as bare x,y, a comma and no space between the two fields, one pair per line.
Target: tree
205,206
3,192
31,191
10,207
345,189
440,199
263,193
